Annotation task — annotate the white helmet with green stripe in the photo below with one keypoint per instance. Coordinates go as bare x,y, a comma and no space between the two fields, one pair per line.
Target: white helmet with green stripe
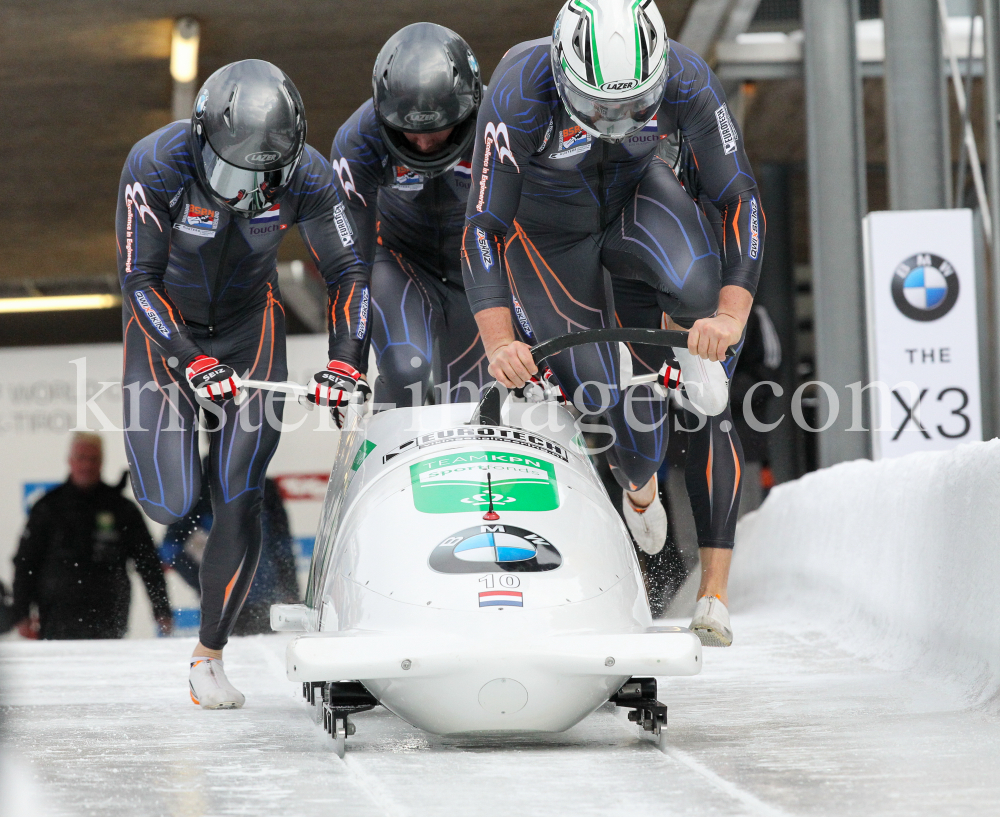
609,58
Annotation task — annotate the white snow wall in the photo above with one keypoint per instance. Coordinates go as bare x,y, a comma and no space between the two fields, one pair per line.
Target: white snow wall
900,559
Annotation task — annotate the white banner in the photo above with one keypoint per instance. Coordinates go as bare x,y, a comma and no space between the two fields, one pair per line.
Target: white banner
923,348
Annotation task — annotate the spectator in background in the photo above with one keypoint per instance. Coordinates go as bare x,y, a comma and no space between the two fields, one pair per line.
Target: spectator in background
6,609
71,562
275,581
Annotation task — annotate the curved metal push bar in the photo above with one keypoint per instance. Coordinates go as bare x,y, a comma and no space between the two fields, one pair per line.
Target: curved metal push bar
487,413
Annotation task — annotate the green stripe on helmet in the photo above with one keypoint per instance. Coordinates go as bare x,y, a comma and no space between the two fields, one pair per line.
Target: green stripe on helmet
638,49
583,6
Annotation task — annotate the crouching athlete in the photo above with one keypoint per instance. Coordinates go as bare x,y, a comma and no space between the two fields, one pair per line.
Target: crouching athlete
403,161
565,182
202,208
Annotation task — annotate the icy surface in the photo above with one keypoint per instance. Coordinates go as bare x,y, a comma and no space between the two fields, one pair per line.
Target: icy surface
862,682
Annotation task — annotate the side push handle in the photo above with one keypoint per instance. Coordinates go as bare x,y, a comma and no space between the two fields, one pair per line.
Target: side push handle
488,411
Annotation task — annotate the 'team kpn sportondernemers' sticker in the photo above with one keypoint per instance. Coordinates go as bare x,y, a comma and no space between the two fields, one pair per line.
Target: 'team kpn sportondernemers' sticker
458,482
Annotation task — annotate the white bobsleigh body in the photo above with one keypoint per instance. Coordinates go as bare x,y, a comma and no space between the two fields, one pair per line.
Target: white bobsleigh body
456,623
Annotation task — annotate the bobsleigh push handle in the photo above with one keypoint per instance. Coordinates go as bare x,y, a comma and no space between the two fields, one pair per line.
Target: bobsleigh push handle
488,411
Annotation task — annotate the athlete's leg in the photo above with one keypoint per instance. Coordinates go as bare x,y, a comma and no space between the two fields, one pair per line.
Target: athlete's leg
663,239
460,359
241,446
402,330
556,277
161,431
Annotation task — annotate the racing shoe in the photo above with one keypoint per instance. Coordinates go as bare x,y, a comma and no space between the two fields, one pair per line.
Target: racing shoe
648,525
705,382
210,688
711,622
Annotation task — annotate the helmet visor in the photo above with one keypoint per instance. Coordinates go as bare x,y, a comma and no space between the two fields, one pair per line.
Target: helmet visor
615,118
242,190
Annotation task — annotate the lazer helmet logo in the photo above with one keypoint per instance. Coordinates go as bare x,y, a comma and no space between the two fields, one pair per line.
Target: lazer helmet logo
620,85
484,247
422,117
151,314
262,157
494,547
343,171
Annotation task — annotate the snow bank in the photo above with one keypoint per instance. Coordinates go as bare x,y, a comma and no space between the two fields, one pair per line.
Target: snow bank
900,558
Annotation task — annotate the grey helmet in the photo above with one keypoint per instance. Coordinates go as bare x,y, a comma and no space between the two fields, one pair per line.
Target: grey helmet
248,130
426,79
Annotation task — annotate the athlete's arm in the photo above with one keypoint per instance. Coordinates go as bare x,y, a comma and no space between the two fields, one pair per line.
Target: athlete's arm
511,125
330,235
696,98
356,157
142,226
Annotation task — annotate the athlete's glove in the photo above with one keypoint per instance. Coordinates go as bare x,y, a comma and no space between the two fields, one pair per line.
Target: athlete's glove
334,386
212,380
669,377
541,388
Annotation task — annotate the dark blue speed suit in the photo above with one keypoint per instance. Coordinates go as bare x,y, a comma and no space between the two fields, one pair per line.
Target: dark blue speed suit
198,280
410,231
551,208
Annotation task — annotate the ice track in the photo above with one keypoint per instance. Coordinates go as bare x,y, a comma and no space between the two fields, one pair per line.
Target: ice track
864,681
781,724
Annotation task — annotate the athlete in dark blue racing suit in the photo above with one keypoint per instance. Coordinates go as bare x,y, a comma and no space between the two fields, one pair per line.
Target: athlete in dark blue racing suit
403,162
565,185
198,230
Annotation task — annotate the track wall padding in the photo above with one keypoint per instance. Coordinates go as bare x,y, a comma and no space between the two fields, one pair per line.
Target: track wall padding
900,559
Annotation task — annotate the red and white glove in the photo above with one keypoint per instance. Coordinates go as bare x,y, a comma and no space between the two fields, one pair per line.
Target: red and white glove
542,388
212,380
334,386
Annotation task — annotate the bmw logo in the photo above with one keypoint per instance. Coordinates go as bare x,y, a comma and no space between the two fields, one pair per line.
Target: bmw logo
494,547
925,287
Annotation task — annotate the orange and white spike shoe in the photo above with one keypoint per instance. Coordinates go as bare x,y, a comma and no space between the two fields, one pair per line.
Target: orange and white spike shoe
711,622
648,525
210,688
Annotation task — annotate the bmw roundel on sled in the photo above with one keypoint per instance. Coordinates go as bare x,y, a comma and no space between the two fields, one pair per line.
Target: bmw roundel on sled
470,574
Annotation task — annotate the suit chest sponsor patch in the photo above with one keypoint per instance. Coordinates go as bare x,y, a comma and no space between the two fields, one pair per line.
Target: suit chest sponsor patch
198,221
407,179
571,142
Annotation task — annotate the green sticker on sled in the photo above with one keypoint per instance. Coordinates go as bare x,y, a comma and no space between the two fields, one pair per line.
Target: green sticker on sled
457,483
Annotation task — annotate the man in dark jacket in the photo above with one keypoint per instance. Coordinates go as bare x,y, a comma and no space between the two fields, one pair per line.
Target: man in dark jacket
72,557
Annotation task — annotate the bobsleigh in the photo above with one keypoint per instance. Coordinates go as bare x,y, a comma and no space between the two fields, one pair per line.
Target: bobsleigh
470,574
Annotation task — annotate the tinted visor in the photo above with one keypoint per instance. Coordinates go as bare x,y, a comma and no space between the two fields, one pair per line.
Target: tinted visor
615,118
240,189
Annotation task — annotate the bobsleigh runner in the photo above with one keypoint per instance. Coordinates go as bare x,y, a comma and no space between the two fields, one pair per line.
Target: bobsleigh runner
471,574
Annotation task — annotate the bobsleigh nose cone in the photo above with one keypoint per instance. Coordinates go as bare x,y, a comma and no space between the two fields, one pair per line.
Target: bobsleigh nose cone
503,696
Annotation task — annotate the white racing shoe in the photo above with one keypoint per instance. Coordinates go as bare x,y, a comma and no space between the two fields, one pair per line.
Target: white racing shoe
711,622
705,383
210,688
648,525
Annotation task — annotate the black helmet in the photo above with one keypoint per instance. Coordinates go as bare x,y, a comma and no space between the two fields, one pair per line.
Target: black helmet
248,129
426,79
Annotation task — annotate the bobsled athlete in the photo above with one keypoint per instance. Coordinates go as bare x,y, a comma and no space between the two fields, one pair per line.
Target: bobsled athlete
565,182
403,161
202,208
